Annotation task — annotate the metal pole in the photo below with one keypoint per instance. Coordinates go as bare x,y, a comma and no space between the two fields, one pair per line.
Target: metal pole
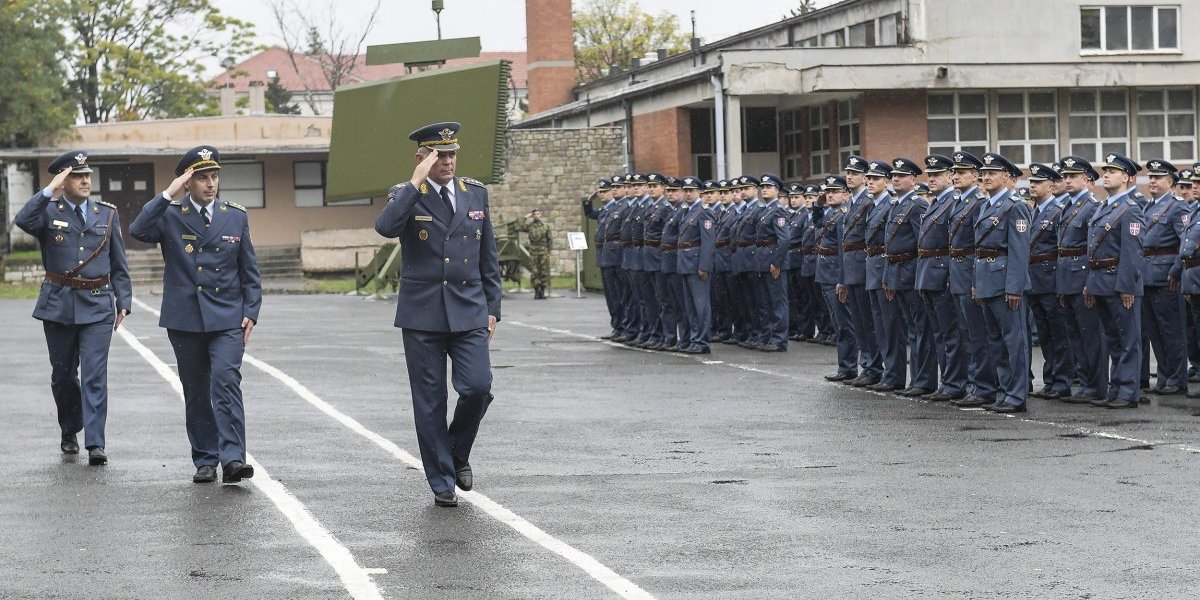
578,274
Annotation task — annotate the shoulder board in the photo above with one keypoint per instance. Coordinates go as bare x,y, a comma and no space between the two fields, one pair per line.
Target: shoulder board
472,182
236,205
1094,199
1131,201
103,203
176,203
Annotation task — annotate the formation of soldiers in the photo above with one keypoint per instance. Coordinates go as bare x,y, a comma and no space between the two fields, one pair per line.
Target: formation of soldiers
936,289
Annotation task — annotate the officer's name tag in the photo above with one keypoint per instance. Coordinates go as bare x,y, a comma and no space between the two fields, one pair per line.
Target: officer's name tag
476,215
188,236
422,218
58,223
231,238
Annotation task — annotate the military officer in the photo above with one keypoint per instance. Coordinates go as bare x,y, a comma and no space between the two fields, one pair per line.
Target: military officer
86,274
800,313
933,280
612,296
829,275
653,219
889,325
771,239
1083,327
1042,297
900,236
852,288
1187,272
212,294
1115,279
814,203
670,302
1163,322
631,259
1185,188
448,303
696,250
1001,280
540,241
744,266
728,296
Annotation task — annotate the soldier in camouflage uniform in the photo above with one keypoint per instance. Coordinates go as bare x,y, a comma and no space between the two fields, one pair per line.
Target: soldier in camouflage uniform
539,252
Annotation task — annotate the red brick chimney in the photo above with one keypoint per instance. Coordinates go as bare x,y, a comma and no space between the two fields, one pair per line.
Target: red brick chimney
550,42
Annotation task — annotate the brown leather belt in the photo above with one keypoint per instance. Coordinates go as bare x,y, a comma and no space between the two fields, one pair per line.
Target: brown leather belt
1191,263
1071,252
990,252
1043,257
853,246
1104,263
667,247
627,244
1160,251
795,245
932,253
766,244
78,283
614,237
875,250
686,245
636,243
743,243
896,259
652,243
812,251
722,243
962,253
823,251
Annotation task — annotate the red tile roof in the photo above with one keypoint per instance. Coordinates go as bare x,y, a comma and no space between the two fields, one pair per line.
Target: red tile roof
308,70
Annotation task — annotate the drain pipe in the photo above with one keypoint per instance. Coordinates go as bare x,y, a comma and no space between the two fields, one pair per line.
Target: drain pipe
719,123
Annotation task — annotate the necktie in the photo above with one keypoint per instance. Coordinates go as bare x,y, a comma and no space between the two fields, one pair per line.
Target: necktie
79,213
204,215
446,199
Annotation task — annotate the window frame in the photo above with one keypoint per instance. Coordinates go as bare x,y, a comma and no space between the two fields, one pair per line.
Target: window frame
854,123
262,187
1027,143
1166,139
1098,113
1103,10
818,129
944,147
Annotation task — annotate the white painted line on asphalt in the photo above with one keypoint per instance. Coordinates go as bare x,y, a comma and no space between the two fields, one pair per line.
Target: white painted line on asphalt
753,369
356,579
622,586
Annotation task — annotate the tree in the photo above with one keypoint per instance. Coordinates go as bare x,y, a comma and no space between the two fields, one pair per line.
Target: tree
35,102
135,60
278,98
806,6
611,33
335,50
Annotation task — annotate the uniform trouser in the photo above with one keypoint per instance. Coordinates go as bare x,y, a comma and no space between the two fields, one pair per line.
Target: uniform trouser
630,308
748,311
1057,366
763,307
651,307
870,359
843,327
821,316
923,354
210,369
981,364
1087,346
426,353
539,275
683,318
80,353
612,295
668,307
776,325
1193,339
720,303
1123,334
1008,344
890,327
942,315
698,308
800,310
1192,313
1164,327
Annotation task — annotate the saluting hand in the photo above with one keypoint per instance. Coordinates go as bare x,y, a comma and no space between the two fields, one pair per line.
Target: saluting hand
421,173
56,184
177,185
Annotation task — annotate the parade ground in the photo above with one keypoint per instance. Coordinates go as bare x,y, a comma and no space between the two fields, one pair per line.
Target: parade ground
601,471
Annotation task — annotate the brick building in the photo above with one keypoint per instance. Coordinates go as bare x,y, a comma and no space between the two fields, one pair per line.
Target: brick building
1032,79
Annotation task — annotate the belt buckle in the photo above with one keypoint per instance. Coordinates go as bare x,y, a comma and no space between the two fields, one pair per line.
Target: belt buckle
97,291
991,259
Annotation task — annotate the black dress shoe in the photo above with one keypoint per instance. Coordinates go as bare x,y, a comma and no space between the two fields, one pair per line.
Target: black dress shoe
1076,399
863,381
608,337
205,474
463,477
1193,394
772,348
1170,390
915,392
1052,395
236,471
69,445
1040,393
943,396
839,377
697,349
97,457
445,499
1101,402
972,402
883,386
1121,404
1006,408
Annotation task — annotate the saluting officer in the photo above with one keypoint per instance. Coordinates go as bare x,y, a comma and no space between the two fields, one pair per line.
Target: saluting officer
448,303
84,258
1162,313
899,277
212,294
1083,327
1001,280
612,254
852,288
829,275
603,216
1115,279
1057,368
933,280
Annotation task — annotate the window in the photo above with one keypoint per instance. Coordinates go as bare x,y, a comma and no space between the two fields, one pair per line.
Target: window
790,123
808,42
308,179
958,121
1027,126
703,141
862,35
242,183
834,39
1128,28
848,137
758,129
1099,123
1166,124
889,30
818,141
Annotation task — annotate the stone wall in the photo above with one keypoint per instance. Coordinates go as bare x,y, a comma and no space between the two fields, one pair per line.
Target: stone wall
553,169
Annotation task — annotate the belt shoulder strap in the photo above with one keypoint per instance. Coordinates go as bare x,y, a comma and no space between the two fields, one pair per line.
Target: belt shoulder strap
103,243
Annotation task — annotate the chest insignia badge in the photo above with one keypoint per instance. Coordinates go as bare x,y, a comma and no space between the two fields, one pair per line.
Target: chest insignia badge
423,235
188,248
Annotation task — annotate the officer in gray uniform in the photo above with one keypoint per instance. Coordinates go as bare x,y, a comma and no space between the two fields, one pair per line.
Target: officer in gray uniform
1163,325
828,274
670,301
933,280
729,295
851,289
744,267
981,366
1088,346
696,251
448,303
800,313
1057,369
1115,279
612,297
770,258
885,313
900,236
1187,270
84,258
212,293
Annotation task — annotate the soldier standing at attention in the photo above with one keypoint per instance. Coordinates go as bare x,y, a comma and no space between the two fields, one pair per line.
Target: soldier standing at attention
1057,369
1083,328
981,366
828,274
696,250
900,235
1115,280
1162,312
211,297
933,280
851,289
539,252
448,303
75,304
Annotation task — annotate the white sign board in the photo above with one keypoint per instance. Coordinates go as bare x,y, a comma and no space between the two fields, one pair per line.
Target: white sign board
577,240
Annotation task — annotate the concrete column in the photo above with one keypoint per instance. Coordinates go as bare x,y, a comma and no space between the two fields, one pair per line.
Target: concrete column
258,98
228,101
733,135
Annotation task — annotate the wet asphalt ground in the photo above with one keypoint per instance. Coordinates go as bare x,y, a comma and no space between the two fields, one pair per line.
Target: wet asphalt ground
648,475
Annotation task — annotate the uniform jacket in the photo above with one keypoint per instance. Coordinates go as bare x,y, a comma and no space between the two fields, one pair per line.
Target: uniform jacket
210,278
1071,273
450,278
64,243
1115,231
829,227
1005,227
1044,240
698,227
962,237
610,253
809,241
797,224
601,216
745,235
900,237
670,236
1189,247
631,221
725,238
877,222
933,273
772,237
853,230
1166,217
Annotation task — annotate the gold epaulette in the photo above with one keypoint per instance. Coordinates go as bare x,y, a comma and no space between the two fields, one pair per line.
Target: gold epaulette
236,205
103,203
176,203
472,182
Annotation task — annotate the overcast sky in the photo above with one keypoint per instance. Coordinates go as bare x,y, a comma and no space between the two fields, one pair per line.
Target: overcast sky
500,24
